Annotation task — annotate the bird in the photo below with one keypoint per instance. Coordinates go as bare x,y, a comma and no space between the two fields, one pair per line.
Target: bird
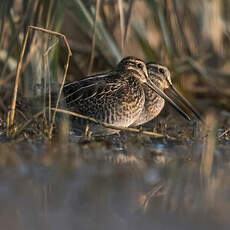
115,97
154,103
125,96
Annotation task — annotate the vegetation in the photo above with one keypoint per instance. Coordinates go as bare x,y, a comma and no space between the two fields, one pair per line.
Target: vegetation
180,180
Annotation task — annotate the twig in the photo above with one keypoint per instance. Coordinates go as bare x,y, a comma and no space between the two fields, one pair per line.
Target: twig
107,125
225,132
24,125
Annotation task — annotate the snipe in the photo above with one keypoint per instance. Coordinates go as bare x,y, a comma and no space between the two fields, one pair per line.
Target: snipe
116,97
123,97
154,102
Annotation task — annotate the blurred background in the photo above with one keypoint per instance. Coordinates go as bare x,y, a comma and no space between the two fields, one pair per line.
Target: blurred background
180,183
191,38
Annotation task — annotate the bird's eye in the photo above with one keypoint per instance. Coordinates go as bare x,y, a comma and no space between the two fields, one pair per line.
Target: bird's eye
140,66
161,70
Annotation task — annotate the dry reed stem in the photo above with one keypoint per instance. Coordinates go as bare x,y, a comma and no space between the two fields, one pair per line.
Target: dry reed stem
128,20
59,95
122,24
208,146
9,76
98,3
107,125
8,124
225,132
65,72
19,67
47,73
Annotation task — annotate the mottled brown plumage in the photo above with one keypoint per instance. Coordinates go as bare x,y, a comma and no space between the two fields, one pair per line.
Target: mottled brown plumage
116,97
154,103
130,95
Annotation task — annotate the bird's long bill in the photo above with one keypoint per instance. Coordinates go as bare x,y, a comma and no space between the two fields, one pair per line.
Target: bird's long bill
164,96
185,102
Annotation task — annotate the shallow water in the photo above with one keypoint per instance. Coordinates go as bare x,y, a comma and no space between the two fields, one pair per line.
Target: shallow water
125,181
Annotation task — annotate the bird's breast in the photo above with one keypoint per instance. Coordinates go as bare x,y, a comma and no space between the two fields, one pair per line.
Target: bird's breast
152,107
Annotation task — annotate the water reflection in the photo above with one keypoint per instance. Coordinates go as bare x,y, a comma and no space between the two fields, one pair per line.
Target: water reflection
86,186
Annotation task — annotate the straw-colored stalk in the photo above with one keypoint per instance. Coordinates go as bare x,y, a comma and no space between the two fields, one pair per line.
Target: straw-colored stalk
11,116
107,125
209,144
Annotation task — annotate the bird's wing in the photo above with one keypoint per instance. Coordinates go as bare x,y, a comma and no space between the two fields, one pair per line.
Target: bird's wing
93,88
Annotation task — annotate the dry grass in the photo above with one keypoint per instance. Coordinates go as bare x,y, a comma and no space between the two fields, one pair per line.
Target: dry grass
11,115
129,181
